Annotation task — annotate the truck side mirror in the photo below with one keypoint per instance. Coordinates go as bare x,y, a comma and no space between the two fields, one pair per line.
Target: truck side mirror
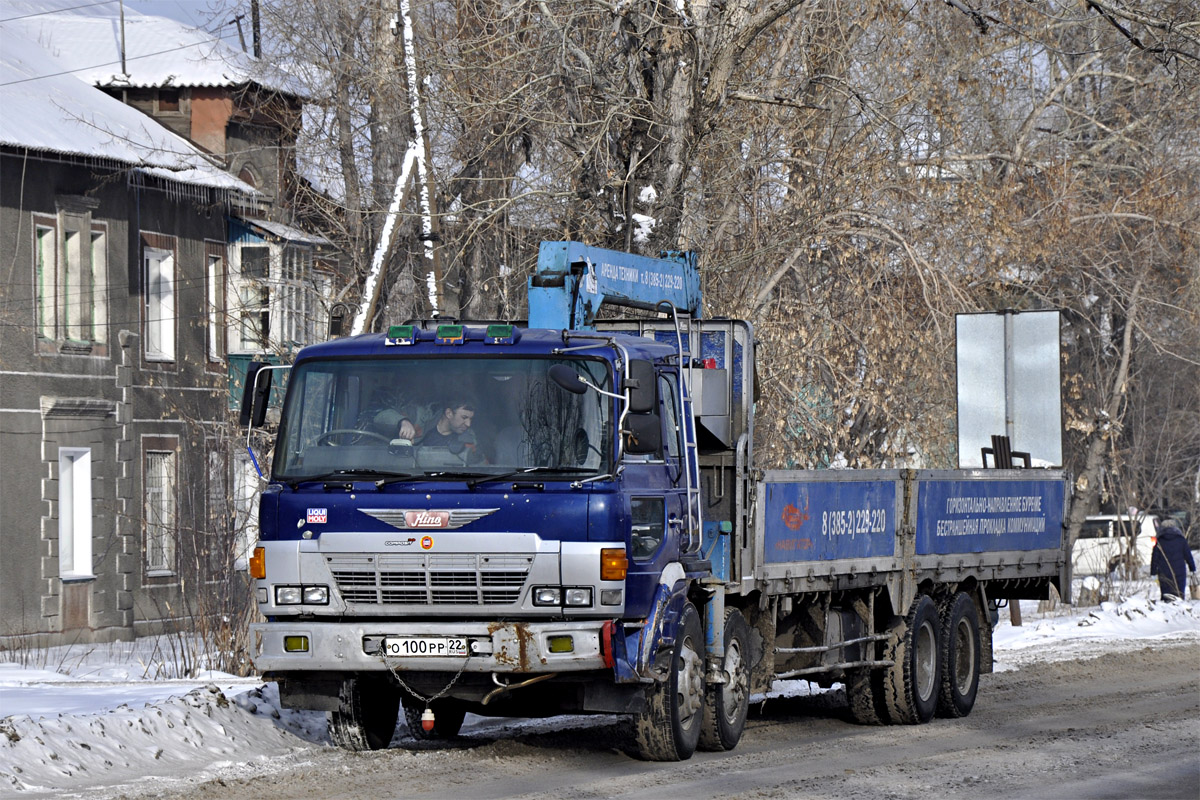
644,434
641,386
256,396
568,379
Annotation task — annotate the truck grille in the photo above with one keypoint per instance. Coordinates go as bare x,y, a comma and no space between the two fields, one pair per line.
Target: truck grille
430,579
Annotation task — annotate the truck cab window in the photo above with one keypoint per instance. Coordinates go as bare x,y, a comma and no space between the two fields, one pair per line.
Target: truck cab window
433,414
672,430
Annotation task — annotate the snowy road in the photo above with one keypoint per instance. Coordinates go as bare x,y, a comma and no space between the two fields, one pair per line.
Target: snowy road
1125,725
1089,704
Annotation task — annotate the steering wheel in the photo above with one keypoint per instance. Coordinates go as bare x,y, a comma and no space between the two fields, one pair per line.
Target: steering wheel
327,437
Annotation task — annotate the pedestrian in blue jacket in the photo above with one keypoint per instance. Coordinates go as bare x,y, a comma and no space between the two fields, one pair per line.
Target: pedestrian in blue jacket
1171,560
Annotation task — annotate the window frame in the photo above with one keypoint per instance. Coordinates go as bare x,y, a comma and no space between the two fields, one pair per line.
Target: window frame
251,299
69,278
168,504
45,276
165,349
215,280
99,232
76,512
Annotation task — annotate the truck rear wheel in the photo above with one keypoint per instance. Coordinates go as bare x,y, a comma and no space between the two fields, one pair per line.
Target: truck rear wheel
669,728
726,704
447,719
960,657
860,694
367,715
909,688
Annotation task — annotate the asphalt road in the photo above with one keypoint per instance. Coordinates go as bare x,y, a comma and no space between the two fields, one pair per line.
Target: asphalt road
1125,725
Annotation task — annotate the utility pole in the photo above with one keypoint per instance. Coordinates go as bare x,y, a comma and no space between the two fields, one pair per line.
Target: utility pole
255,30
124,71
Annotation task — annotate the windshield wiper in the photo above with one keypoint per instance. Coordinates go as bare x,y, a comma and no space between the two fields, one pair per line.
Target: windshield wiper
379,477
489,477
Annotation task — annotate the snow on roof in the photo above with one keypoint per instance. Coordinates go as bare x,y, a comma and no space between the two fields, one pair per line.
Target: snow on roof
158,51
48,109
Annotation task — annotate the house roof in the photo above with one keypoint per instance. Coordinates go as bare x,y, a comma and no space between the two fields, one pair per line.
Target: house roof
159,52
47,108
285,232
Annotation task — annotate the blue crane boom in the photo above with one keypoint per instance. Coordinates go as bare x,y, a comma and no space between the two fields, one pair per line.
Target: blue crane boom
573,280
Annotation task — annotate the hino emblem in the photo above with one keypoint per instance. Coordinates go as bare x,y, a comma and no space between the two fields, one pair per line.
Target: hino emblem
411,519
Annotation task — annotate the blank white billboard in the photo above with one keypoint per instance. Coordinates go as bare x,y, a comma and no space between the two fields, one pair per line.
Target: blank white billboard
1009,383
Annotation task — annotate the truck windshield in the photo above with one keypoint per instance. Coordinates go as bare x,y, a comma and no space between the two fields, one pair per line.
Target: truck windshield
441,417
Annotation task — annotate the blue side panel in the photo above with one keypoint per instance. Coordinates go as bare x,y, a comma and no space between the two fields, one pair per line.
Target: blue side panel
738,366
979,516
826,521
712,345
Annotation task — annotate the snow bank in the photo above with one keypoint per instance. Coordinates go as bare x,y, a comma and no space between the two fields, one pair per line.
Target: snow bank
1087,633
202,731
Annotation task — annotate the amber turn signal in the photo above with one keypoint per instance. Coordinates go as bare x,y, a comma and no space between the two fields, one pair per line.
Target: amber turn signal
613,564
258,564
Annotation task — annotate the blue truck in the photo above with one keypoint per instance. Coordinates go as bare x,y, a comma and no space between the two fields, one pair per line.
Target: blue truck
597,538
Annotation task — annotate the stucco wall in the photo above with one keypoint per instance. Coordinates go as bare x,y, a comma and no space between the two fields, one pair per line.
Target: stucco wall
108,398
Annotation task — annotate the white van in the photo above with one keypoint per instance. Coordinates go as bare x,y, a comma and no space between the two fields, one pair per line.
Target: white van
1105,539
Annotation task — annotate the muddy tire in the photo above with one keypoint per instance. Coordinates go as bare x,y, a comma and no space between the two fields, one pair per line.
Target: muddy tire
861,696
367,715
447,719
725,705
908,690
669,728
960,657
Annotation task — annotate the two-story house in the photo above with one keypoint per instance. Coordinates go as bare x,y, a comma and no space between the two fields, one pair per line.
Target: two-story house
147,250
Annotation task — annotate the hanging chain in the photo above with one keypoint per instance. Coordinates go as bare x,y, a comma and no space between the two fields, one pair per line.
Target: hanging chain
414,692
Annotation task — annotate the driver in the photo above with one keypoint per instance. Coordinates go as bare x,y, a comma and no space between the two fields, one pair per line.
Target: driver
445,425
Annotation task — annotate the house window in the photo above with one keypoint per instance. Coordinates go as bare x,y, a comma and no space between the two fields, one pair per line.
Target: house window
99,283
214,256
76,291
45,280
159,511
168,100
216,541
160,304
74,512
70,269
301,294
254,298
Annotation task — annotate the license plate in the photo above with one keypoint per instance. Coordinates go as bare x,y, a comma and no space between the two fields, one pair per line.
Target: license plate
398,646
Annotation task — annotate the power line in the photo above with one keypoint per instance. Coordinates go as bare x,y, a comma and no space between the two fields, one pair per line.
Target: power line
58,10
113,63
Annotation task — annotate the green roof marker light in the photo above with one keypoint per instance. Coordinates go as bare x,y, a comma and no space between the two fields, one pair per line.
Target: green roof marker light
450,334
401,334
500,334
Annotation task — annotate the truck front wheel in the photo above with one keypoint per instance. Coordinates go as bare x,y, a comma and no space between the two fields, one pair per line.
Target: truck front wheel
726,704
669,728
367,714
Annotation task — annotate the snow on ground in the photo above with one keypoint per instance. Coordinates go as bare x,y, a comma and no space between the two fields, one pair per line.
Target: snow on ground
76,721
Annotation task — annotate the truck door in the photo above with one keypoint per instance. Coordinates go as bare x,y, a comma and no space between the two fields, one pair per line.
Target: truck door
671,410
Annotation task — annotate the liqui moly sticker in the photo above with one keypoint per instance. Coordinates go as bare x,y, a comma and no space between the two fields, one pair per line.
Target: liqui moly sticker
426,542
318,516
